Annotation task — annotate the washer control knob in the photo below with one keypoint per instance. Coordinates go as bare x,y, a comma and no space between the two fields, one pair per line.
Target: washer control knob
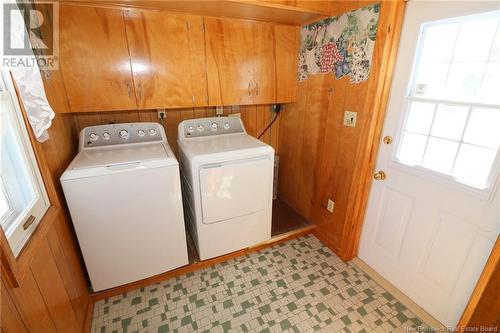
123,134
190,129
226,125
200,128
214,126
141,133
106,136
152,132
93,137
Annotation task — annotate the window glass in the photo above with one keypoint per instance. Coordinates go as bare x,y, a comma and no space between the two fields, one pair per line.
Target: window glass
23,200
452,123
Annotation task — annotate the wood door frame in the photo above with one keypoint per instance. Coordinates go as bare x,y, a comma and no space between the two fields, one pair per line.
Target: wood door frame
376,101
482,283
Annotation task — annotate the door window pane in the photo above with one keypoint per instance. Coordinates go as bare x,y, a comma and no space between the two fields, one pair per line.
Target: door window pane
495,50
483,128
475,39
420,117
490,89
464,81
439,42
431,80
440,155
473,165
412,148
449,121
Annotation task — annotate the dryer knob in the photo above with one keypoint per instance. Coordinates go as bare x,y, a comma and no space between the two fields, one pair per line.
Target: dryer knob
123,134
200,128
141,133
227,125
106,136
93,137
213,126
152,132
190,129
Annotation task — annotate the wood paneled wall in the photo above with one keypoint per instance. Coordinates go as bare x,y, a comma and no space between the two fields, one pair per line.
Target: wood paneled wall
53,294
254,117
318,153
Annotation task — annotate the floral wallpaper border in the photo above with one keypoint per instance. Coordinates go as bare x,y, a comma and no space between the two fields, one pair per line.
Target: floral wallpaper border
342,44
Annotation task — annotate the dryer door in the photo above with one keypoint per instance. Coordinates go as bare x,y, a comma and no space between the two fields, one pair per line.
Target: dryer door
235,188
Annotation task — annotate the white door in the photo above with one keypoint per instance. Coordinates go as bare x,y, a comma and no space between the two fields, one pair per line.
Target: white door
432,222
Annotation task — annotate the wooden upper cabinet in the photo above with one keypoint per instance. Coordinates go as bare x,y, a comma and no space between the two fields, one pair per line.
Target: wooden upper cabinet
286,39
240,62
94,59
168,59
264,71
229,48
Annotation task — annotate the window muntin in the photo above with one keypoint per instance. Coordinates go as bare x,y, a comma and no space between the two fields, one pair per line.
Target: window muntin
22,193
452,122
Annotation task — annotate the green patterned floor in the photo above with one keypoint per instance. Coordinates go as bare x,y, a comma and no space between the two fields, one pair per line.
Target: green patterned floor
297,286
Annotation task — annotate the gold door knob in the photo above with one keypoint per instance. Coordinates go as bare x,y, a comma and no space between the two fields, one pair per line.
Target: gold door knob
388,140
379,175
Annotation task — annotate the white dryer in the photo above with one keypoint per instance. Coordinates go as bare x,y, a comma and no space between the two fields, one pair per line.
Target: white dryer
123,192
227,180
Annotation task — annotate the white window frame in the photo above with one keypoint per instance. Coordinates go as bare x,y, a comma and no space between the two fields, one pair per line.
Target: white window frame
16,235
493,182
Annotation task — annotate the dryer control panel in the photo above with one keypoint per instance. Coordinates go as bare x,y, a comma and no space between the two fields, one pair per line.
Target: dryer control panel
116,134
203,127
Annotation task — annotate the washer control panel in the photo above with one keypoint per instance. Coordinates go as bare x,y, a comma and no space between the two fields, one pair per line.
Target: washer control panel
202,127
115,134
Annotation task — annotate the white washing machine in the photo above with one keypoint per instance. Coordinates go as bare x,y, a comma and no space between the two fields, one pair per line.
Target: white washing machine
227,178
124,195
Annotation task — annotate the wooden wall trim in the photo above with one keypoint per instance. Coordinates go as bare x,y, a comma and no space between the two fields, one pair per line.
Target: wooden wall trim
478,293
376,104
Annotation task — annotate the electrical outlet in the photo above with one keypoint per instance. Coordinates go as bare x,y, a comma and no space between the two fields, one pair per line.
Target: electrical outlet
330,205
161,114
350,118
219,110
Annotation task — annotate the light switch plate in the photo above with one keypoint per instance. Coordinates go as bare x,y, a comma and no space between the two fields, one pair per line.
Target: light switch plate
350,118
219,110
330,205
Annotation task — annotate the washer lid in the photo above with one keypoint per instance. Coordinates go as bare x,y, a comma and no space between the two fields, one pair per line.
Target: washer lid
105,160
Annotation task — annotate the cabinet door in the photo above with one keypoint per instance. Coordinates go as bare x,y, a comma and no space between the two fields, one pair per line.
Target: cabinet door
229,48
94,59
286,39
160,46
264,71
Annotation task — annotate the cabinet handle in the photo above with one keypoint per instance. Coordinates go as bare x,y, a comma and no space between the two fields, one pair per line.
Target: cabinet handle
129,90
139,92
249,89
256,89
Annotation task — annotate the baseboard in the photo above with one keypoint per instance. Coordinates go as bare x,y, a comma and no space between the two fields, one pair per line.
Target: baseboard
87,325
